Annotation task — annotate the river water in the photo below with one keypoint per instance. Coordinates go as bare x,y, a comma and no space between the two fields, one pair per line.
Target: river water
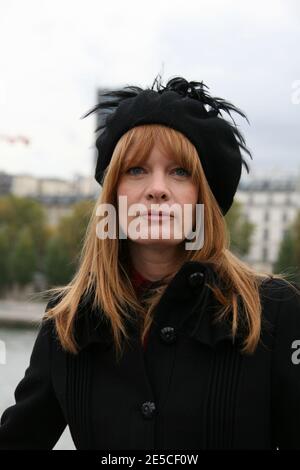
18,344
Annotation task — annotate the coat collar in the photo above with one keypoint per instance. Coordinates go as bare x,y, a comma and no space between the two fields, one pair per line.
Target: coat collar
188,305
194,306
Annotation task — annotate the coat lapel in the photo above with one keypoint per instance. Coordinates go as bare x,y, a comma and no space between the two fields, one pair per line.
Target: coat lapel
190,308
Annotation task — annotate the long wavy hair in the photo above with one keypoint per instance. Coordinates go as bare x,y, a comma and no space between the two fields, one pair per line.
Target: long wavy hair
103,268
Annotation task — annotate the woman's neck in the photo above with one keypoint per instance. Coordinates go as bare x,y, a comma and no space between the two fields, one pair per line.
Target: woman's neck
153,263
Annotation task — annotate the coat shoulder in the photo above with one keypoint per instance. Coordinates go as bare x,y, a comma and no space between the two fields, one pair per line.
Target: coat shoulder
285,366
280,301
48,324
277,289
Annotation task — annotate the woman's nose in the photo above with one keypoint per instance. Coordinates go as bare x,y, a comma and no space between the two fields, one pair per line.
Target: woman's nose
157,195
157,189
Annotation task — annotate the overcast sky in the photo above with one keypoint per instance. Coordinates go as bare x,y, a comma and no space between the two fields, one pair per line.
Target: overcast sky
54,54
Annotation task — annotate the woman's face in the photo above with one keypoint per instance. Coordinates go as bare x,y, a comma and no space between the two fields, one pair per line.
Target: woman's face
157,183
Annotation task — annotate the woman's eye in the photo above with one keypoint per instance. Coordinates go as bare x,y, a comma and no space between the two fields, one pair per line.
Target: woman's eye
182,171
136,170
132,171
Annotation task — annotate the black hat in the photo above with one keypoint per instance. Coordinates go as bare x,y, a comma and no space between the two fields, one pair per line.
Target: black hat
188,108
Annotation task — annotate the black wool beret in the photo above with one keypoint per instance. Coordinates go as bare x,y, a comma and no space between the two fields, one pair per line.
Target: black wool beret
188,108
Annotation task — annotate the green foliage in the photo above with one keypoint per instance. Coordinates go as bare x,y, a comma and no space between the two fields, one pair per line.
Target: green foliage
72,228
288,260
240,230
28,244
23,237
58,268
64,248
4,257
23,257
17,213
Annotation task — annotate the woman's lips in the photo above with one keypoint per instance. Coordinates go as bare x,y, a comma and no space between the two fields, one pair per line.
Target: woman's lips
157,217
154,215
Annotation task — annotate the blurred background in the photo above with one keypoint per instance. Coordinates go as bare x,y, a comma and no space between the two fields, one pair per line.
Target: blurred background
56,57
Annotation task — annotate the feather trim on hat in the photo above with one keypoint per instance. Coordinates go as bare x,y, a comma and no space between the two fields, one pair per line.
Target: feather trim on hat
194,90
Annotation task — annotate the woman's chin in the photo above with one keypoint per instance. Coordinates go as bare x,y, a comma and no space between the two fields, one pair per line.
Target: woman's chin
157,241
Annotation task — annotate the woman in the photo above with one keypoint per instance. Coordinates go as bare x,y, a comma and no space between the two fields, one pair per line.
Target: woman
159,343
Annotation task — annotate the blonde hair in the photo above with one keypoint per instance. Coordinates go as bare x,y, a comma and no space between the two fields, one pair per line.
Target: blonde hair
103,263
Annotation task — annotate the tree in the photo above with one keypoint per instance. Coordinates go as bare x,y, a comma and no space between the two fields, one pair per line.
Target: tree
23,260
23,237
240,230
72,228
58,266
4,258
288,259
64,248
296,232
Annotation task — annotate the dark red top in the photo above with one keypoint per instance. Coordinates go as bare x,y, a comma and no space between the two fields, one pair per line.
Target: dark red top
139,283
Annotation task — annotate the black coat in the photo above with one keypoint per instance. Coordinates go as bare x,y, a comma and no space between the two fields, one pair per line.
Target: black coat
191,389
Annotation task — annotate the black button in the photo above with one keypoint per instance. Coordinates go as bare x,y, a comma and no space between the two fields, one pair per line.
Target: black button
148,409
168,334
196,279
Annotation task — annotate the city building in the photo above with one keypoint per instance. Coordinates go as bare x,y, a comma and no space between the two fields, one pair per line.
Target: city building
272,204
